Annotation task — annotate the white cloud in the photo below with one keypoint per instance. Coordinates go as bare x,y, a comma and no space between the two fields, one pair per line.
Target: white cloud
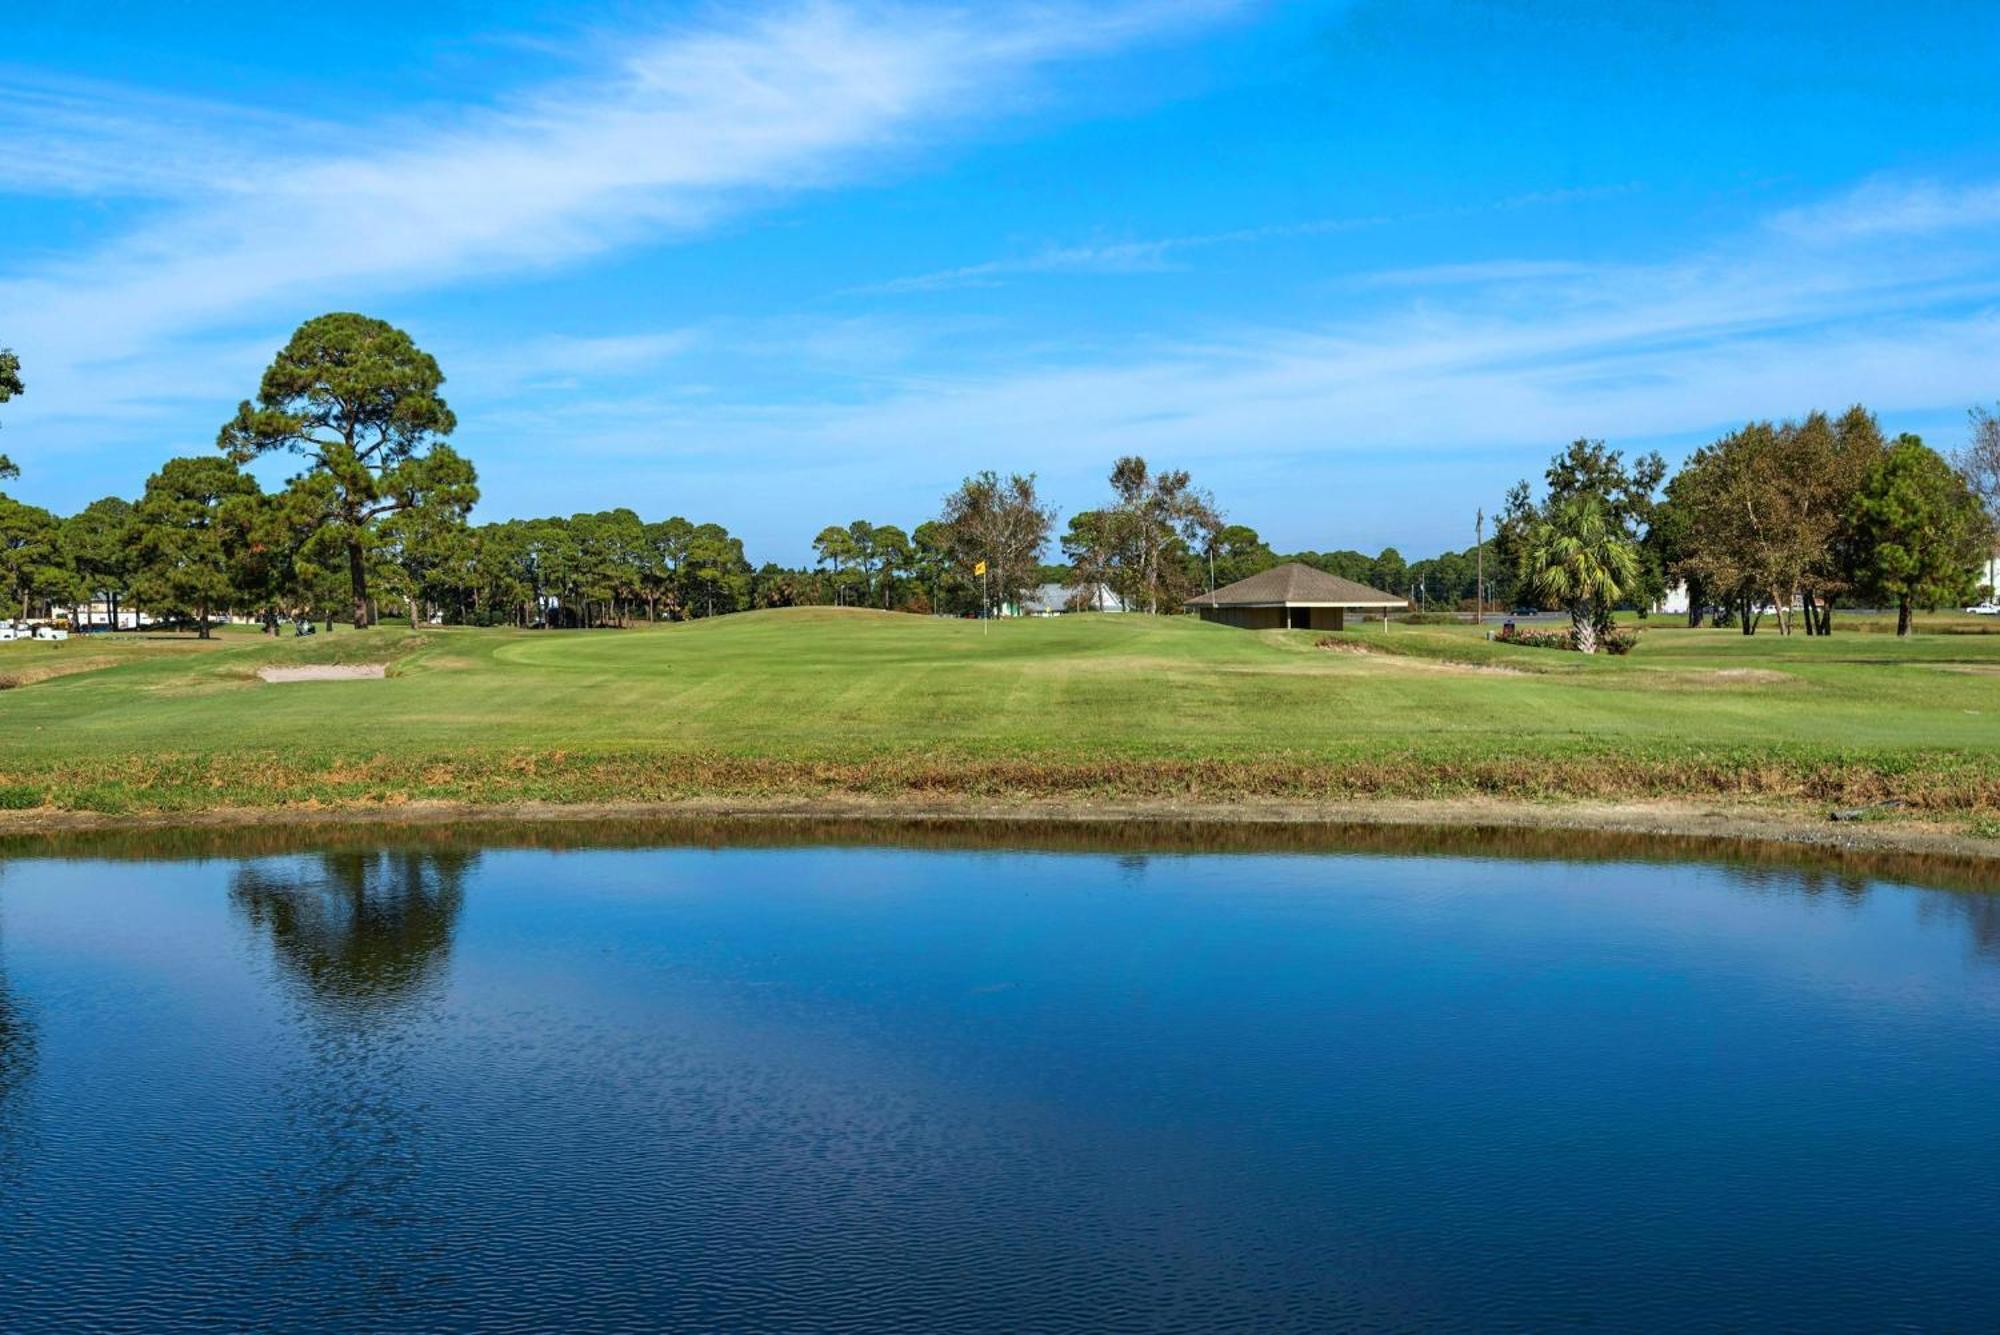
1159,254
563,361
689,125
1151,256
1887,208
1517,352
1491,360
1481,272
60,138
253,222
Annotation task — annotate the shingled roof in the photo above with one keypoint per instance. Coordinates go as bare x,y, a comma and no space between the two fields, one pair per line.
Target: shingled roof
1295,585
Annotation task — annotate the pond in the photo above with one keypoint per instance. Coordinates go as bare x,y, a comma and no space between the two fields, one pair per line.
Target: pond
979,1078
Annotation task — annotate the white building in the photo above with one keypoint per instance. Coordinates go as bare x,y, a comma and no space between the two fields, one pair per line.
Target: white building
96,615
1047,600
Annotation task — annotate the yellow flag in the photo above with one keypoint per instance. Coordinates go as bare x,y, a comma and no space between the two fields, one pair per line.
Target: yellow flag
979,569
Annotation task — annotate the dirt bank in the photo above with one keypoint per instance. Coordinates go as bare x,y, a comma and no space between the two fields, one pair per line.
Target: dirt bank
1693,821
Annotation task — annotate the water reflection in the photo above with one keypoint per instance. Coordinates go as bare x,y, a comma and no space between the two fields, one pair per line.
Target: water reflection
1822,865
18,1045
17,1042
400,1083
1979,913
364,940
358,931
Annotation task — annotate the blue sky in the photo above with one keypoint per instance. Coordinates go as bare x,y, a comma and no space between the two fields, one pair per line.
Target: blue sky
1358,266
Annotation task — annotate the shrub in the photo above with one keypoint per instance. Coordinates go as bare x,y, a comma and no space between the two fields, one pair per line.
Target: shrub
1429,618
19,797
1610,641
108,798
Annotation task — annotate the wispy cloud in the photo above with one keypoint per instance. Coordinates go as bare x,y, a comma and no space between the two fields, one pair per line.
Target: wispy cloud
1114,257
1475,274
688,126
1887,207
72,138
563,361
1162,254
1470,361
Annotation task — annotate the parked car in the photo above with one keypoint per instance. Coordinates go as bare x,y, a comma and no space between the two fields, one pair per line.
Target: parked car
7,631
51,633
1989,608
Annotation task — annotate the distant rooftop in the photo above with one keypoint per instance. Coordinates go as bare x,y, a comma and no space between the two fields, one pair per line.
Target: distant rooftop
1295,584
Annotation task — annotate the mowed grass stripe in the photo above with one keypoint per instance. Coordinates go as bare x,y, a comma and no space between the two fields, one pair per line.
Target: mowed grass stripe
1414,709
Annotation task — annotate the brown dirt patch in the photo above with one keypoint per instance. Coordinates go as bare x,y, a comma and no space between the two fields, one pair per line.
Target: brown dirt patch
1388,659
62,667
1704,823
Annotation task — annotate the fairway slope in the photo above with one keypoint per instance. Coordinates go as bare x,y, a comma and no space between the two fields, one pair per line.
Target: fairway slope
820,704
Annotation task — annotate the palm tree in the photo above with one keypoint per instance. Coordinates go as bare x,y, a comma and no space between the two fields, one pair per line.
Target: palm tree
1573,557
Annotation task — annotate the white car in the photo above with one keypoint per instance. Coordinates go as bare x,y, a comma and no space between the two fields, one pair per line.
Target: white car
51,633
1989,608
7,631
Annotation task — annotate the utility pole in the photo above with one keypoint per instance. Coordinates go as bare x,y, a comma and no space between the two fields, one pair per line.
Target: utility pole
1479,577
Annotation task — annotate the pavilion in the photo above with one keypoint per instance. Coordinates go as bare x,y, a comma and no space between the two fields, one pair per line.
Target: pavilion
1292,596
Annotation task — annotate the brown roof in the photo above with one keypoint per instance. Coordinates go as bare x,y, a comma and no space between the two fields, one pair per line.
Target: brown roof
1297,585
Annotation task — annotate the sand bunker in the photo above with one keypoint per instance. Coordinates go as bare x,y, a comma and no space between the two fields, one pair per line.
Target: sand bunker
325,672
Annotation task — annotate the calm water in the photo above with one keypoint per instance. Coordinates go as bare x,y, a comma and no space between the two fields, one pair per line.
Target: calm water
926,1088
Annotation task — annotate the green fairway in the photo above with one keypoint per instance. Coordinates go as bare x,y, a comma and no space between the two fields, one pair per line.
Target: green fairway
824,699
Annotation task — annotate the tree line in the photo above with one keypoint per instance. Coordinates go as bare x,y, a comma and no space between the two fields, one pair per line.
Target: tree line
1786,520
378,513
1156,541
1781,519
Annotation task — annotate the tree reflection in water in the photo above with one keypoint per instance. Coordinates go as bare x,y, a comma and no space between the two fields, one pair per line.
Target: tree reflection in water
17,1065
17,1045
359,932
363,941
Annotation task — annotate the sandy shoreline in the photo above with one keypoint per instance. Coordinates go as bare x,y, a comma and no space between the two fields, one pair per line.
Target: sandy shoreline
1672,820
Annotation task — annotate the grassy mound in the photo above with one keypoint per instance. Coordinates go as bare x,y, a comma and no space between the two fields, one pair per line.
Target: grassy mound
824,701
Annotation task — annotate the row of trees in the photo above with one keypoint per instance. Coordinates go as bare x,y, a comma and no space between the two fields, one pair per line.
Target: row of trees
1770,518
1787,519
357,401
1804,514
1150,545
380,504
1000,523
586,570
1157,540
205,538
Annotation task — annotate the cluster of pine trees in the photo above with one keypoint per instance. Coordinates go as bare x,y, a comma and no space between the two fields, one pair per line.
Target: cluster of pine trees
375,517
